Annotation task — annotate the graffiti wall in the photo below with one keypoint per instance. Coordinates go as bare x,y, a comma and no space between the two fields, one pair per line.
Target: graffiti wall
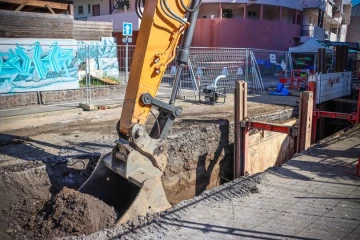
103,58
53,64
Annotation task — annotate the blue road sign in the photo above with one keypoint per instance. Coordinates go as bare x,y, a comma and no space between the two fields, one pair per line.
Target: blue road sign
127,29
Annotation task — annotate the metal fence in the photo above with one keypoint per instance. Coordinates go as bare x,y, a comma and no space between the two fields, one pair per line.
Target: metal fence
271,65
90,64
207,64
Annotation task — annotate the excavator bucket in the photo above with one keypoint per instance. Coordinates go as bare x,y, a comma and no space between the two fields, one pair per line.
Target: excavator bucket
128,181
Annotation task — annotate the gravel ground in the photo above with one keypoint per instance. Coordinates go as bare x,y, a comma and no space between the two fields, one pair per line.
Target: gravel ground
310,197
42,154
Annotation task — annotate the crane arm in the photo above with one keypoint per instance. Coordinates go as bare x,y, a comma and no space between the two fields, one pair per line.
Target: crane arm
162,25
139,157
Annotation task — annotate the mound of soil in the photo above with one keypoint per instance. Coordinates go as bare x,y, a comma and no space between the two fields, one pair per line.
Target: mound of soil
72,213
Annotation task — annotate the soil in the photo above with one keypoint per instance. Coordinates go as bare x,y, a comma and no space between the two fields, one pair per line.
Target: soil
71,213
41,156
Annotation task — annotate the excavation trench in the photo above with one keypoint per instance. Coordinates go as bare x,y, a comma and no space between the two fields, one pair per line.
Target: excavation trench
38,199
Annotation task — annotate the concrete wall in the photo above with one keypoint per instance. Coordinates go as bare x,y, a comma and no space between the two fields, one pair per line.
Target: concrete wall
353,31
245,33
18,99
287,15
271,13
52,97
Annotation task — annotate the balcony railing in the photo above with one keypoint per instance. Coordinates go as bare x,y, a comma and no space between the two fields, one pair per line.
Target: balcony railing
313,31
330,36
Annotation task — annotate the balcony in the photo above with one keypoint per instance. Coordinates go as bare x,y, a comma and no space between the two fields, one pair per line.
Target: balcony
308,31
330,36
225,32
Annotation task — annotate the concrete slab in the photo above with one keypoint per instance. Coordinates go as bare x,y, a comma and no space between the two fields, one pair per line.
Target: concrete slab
88,107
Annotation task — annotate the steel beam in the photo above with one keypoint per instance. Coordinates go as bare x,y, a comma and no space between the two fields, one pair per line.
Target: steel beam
241,139
270,127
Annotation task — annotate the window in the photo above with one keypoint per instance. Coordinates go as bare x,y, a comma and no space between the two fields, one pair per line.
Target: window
121,4
89,8
252,14
80,10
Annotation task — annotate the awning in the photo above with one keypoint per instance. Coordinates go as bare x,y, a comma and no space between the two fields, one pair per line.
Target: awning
310,46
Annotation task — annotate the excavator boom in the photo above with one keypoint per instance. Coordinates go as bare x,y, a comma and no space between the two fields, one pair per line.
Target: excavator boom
129,178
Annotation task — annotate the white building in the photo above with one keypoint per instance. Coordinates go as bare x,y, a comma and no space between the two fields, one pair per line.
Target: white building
326,19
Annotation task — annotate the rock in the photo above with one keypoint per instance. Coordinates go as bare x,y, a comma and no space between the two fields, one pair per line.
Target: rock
18,227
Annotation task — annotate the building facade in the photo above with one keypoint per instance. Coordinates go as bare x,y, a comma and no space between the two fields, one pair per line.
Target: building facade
353,34
326,20
266,24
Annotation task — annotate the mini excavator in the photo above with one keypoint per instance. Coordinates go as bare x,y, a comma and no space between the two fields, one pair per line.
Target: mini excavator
129,177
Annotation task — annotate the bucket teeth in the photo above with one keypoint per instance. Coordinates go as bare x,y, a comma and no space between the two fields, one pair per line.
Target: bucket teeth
127,180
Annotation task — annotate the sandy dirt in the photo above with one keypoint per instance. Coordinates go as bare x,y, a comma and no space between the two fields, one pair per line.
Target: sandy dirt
71,213
42,154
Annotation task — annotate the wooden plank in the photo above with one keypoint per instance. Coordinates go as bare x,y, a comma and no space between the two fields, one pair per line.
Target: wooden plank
33,21
49,8
237,137
20,7
38,3
71,9
305,121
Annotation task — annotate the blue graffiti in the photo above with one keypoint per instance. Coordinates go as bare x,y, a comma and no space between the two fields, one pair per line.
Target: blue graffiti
18,61
38,63
28,68
39,67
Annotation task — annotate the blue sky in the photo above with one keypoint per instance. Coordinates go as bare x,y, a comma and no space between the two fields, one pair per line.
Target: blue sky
355,2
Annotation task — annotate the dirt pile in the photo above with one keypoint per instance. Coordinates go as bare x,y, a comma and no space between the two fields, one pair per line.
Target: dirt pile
72,213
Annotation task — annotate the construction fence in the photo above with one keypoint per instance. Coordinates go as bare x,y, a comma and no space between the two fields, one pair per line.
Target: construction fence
38,67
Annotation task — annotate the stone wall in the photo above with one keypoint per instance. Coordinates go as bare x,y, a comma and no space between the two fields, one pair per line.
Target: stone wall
54,97
18,99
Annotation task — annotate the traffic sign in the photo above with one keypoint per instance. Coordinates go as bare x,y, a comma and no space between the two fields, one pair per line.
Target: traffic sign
127,29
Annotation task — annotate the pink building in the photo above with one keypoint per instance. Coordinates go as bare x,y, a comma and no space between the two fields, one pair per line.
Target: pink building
266,24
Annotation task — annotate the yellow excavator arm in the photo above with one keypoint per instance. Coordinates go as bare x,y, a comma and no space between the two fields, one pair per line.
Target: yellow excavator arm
129,178
155,48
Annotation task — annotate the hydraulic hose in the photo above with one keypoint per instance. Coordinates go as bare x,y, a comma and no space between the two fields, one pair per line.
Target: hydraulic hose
189,9
138,9
169,12
184,49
